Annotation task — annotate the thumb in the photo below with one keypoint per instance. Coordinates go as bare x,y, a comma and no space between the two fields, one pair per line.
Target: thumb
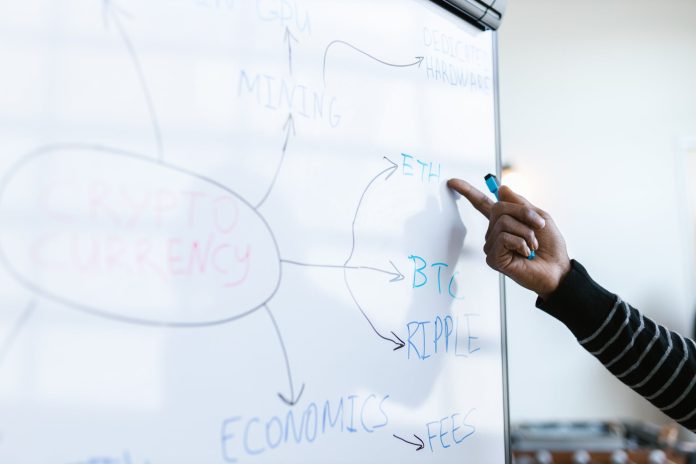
506,194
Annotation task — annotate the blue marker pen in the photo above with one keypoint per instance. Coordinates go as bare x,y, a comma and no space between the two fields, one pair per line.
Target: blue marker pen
492,184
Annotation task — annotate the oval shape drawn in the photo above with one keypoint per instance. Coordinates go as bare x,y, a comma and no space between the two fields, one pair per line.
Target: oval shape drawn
123,236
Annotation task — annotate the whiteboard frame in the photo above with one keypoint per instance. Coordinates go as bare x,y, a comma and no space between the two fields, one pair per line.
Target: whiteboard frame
686,152
503,305
495,57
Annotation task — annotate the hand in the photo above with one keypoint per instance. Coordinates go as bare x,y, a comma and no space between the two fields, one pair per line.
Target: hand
515,227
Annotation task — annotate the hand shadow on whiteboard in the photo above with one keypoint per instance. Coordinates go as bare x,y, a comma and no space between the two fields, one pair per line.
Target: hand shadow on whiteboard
417,364
431,308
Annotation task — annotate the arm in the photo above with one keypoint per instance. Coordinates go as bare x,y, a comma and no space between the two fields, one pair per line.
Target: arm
658,364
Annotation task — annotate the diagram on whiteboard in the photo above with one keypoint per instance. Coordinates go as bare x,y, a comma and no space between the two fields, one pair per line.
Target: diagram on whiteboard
250,256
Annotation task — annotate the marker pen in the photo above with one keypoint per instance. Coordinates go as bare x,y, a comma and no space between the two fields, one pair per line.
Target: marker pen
492,184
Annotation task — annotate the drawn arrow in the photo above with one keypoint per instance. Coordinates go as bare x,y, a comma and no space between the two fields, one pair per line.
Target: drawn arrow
419,445
396,275
417,62
388,172
6,345
288,38
292,399
399,276
289,128
398,342
112,13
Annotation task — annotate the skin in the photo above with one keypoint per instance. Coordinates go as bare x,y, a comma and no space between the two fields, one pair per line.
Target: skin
515,227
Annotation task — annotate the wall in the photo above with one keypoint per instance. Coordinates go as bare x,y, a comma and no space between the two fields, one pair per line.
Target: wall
595,97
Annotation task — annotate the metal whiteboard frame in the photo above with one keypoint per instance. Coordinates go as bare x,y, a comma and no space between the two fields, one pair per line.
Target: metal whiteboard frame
503,299
445,5
498,170
685,154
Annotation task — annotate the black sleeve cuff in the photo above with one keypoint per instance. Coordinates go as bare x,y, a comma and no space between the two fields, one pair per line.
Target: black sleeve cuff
579,302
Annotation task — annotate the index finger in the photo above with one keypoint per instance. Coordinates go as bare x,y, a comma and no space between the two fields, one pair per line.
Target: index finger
477,198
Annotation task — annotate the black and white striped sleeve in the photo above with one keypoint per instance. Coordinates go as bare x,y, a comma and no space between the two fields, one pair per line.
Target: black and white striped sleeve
657,363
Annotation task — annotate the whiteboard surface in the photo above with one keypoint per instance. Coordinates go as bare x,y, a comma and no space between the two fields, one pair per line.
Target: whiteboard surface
225,234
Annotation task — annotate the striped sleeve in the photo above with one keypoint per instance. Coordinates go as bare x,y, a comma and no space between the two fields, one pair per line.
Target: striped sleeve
655,362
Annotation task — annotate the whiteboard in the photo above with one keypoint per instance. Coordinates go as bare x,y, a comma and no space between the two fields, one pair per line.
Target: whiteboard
225,234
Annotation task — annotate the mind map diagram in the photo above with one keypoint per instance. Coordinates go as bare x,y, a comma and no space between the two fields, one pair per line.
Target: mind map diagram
236,263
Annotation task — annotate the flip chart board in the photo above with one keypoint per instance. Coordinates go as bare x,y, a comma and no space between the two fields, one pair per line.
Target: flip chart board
225,234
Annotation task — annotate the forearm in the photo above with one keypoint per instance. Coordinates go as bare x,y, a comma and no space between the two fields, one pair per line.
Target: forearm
658,364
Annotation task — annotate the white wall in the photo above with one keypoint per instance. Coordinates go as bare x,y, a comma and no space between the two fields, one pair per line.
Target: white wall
595,97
